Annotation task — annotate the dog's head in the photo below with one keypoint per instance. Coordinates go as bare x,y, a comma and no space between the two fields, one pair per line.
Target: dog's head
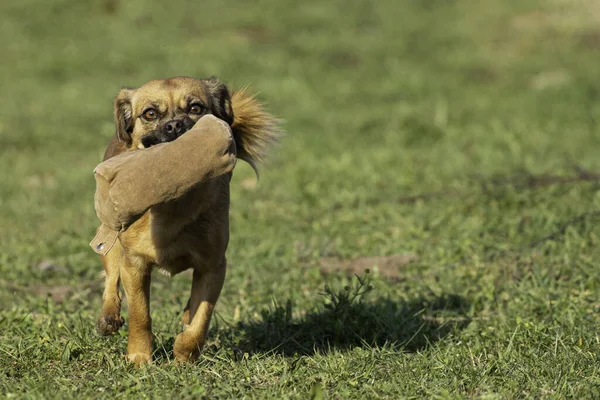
162,110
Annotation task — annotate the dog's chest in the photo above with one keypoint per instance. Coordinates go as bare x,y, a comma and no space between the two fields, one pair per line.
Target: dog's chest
175,245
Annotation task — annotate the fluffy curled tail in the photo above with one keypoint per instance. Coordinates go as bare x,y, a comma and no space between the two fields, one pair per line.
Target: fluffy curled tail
254,129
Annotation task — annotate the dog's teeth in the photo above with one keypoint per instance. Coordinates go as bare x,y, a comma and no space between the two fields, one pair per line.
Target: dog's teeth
141,146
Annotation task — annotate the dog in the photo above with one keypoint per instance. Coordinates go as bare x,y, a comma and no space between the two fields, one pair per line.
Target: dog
189,233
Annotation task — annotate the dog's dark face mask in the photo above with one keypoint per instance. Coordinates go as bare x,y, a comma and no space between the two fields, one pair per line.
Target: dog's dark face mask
168,130
162,110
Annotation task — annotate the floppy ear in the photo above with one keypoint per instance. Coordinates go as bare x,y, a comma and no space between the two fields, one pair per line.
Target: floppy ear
221,100
124,115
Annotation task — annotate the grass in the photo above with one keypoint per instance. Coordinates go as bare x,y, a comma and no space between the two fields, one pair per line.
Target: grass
447,131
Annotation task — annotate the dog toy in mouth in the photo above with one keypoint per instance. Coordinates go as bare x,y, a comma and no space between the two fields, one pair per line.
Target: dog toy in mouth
123,189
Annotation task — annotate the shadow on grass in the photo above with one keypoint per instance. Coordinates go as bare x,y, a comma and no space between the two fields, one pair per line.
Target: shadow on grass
348,319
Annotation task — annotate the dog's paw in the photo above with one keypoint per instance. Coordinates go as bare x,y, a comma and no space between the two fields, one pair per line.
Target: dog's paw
109,324
139,359
185,349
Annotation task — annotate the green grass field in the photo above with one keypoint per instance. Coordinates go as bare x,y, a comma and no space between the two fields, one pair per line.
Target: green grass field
450,147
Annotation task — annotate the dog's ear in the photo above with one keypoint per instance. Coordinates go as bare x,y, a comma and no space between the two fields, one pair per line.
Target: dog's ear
221,99
124,115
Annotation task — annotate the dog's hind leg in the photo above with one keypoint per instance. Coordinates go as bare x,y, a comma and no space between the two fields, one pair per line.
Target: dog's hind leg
110,320
206,288
185,320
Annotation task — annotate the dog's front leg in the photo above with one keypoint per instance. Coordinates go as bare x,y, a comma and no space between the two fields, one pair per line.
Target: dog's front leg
206,288
136,282
110,320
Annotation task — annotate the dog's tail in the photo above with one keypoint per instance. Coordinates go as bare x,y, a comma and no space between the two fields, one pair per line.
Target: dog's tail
254,129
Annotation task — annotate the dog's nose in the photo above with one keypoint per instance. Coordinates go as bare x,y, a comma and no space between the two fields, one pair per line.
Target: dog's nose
174,126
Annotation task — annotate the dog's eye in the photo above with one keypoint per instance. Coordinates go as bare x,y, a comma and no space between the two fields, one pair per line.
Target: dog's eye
196,109
150,114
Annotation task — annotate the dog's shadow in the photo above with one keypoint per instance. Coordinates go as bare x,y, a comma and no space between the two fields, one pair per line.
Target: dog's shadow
345,320
410,326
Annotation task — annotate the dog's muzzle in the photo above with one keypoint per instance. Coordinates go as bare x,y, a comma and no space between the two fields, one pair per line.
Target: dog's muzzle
170,131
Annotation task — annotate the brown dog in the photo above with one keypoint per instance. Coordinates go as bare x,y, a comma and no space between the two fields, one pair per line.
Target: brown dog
192,232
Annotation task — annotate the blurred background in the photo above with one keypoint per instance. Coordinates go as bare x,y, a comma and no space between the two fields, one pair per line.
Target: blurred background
420,128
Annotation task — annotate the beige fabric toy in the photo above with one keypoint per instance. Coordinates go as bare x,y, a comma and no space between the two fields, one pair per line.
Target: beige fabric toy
128,184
